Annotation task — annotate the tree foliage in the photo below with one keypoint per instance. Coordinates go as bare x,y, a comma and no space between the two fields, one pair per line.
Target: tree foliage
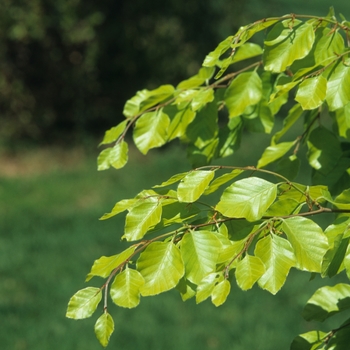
200,230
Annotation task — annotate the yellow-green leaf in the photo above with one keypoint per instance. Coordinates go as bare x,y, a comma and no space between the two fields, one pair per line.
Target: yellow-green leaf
308,241
248,271
116,156
244,91
286,42
141,218
103,266
84,303
161,266
193,185
312,92
104,327
125,289
151,130
200,251
247,198
278,257
220,292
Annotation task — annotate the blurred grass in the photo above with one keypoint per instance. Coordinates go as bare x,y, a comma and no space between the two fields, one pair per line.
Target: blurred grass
50,236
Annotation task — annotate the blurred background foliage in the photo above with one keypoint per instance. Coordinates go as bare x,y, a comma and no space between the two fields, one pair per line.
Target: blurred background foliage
68,66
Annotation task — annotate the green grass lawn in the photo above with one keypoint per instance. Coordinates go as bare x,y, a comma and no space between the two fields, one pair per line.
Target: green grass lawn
50,236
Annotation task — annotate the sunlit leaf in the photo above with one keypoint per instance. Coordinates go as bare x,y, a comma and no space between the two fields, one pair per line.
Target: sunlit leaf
286,42
103,266
200,251
104,327
193,185
338,86
244,91
274,152
113,134
312,92
308,341
202,98
161,266
213,57
204,74
220,292
84,303
151,130
125,289
278,257
116,156
330,45
141,218
145,99
119,207
248,198
178,125
327,301
308,241
207,285
248,271
218,182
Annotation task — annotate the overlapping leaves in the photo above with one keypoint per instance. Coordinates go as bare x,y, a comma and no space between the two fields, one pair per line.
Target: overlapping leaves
258,229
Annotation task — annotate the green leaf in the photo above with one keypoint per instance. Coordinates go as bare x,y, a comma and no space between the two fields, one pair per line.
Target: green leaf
116,157
308,241
119,207
244,91
330,44
218,182
204,74
145,99
200,251
308,341
274,152
286,42
180,122
104,327
151,130
207,285
247,50
125,289
193,185
247,198
278,257
338,235
312,92
141,218
342,116
113,134
161,266
283,207
202,98
103,266
172,180
248,31
220,292
327,301
248,271
338,86
213,57
84,303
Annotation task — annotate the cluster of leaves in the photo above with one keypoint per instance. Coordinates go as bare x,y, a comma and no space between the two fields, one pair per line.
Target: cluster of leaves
256,223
